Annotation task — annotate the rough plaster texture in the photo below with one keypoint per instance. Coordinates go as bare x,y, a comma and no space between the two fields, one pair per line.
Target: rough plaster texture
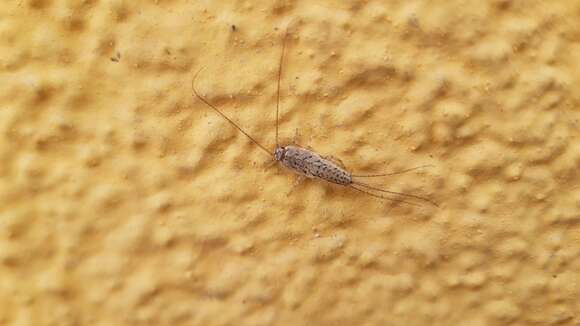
126,201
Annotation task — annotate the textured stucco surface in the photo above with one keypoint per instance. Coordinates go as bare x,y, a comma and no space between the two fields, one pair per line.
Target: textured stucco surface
126,201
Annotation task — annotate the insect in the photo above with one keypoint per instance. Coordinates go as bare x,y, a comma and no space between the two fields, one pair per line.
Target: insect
310,164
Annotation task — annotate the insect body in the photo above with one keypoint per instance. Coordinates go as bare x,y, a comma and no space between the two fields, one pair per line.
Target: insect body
311,164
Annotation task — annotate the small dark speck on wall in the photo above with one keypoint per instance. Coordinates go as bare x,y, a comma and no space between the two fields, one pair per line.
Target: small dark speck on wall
117,57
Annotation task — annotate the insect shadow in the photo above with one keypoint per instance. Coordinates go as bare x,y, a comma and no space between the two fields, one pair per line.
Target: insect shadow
310,164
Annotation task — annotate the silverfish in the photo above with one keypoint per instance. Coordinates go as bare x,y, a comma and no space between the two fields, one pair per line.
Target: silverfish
310,164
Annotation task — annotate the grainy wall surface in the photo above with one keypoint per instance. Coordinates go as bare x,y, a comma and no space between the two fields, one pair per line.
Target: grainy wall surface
124,200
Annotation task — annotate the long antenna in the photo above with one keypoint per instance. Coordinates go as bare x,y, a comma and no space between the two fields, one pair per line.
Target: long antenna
223,115
279,79
392,173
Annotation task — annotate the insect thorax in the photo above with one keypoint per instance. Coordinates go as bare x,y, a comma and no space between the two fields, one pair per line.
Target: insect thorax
279,153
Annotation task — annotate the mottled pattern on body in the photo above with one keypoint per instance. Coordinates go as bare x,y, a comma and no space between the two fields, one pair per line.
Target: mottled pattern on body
313,165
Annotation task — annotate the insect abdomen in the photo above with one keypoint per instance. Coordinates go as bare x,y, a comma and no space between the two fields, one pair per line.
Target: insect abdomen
312,165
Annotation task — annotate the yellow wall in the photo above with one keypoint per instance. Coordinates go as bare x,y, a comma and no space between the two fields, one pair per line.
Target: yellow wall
124,200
